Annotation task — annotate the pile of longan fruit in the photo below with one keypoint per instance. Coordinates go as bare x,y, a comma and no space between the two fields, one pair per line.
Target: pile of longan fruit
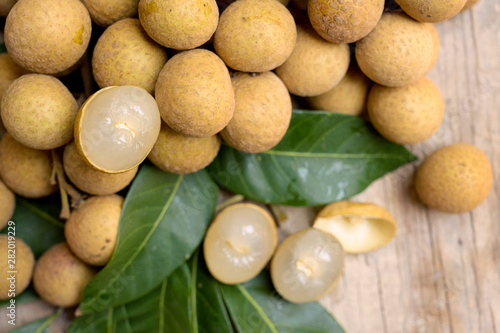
177,77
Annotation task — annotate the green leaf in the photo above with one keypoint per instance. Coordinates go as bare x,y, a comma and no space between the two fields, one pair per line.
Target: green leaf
37,326
256,307
189,300
324,157
38,224
164,219
3,49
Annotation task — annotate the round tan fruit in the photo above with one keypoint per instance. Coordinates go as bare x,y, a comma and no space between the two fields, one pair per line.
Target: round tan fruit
125,55
431,10
436,42
92,229
454,179
255,35
359,227
90,180
178,153
107,12
469,4
239,243
15,250
6,6
262,113
24,170
9,71
315,65
179,24
7,205
194,93
409,114
116,128
47,36
397,52
60,277
344,21
39,111
307,265
349,96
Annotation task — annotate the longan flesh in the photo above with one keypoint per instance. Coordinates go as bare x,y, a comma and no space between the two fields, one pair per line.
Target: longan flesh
239,243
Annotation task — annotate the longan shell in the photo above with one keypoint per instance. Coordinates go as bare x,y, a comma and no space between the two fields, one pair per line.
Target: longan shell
125,55
344,21
92,229
432,11
349,96
315,65
454,179
47,109
91,180
255,35
9,71
262,113
178,153
397,52
408,114
194,93
107,12
179,24
47,36
24,263
7,204
24,170
60,277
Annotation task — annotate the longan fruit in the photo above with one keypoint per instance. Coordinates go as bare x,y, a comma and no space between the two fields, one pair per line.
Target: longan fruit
431,10
7,204
24,262
107,12
9,71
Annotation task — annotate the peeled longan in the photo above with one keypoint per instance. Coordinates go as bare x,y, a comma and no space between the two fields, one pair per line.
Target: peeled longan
344,21
431,10
47,36
47,109
24,170
408,114
194,93
90,180
262,113
178,153
24,263
255,35
7,205
107,12
60,277
349,96
179,24
315,65
125,55
397,52
92,229
454,179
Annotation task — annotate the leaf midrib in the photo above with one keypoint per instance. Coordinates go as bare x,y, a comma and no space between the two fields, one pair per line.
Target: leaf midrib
259,310
329,155
42,214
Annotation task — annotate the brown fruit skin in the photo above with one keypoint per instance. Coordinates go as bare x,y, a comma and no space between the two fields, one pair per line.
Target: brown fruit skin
315,65
6,6
437,45
432,11
49,43
60,277
92,229
194,93
177,153
408,114
125,55
397,52
454,179
107,12
469,4
7,204
47,110
255,35
90,180
24,261
262,114
344,21
9,71
348,97
179,24
24,170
